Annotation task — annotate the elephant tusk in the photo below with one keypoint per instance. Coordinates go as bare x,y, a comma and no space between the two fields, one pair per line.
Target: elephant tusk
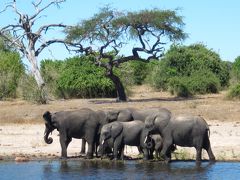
145,140
103,141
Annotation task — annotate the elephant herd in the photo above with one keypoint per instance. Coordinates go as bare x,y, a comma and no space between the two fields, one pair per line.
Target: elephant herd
153,129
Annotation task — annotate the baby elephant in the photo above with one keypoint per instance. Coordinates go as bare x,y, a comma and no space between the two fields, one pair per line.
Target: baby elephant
154,143
124,133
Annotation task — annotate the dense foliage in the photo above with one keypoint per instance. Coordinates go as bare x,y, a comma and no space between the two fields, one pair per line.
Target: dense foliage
110,31
236,70
76,77
11,69
234,92
133,72
193,69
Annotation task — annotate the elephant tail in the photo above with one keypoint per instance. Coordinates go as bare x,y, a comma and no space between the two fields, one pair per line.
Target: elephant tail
207,126
47,117
208,131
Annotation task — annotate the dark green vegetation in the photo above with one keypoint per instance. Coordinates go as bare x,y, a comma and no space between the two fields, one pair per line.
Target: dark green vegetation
189,70
100,70
110,31
184,71
76,77
11,69
234,92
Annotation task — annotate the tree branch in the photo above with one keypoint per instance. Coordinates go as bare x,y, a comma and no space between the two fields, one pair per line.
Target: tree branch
45,7
46,27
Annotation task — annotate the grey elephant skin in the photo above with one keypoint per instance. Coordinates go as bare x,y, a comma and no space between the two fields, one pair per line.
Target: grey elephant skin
130,114
83,123
154,144
124,133
186,131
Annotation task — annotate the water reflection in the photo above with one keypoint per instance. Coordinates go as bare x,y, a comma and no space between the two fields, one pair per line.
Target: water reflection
127,169
97,169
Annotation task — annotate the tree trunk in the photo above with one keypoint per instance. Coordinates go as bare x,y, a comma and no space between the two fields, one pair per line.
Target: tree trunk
37,76
121,95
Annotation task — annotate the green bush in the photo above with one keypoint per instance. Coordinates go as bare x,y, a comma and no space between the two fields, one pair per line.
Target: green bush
195,70
133,72
203,82
179,87
159,75
51,71
187,59
29,90
234,92
11,68
77,77
236,70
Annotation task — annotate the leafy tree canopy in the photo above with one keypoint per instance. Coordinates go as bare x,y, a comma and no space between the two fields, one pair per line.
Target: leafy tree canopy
110,30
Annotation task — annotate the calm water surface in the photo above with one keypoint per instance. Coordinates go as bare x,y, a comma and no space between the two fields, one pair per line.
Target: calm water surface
80,169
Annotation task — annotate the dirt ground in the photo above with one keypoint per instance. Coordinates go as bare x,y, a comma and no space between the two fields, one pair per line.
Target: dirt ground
22,126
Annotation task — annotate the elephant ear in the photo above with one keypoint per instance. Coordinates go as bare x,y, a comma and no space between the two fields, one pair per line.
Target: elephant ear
150,121
112,115
47,117
125,115
116,129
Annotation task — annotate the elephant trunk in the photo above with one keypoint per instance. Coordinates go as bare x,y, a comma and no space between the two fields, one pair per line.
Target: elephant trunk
47,139
48,127
149,145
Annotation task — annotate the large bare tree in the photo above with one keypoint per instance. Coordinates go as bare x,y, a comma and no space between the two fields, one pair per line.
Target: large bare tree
27,36
107,32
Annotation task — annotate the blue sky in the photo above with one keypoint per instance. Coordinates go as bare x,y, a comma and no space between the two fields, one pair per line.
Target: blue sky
214,23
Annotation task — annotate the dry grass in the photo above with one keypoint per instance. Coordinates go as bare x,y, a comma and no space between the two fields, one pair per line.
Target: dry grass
25,136
211,106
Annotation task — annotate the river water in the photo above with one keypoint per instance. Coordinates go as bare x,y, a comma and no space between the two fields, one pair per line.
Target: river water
89,169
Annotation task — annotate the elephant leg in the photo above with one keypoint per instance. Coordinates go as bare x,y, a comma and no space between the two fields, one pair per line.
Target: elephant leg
156,153
91,145
207,147
116,147
198,154
140,151
146,153
83,147
166,152
121,151
90,150
64,141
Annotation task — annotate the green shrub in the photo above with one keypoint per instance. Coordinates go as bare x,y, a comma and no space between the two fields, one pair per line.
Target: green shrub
77,77
195,70
234,92
159,75
178,87
133,72
235,73
187,59
11,68
51,71
203,82
29,90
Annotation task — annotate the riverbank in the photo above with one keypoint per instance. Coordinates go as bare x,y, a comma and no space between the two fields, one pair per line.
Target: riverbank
26,140
22,126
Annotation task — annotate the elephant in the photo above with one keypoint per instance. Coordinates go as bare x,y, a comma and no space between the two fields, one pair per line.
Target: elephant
154,143
130,114
124,133
182,130
83,123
